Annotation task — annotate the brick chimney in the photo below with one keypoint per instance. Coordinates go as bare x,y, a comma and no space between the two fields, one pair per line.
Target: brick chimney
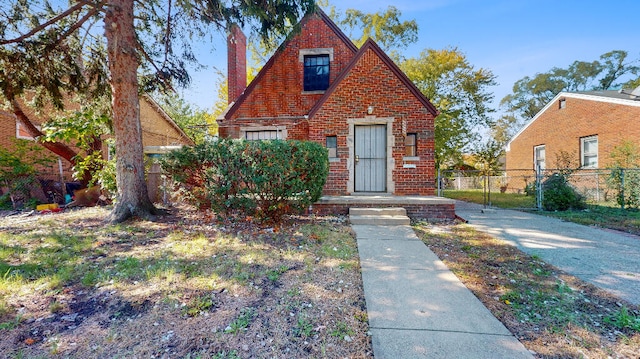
236,62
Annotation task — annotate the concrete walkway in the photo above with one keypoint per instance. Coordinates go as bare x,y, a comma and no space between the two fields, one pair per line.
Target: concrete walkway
417,308
608,259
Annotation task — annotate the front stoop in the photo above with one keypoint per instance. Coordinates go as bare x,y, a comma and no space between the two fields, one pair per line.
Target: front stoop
391,216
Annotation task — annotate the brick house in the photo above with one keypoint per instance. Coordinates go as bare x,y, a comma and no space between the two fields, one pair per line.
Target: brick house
158,129
587,125
158,132
377,126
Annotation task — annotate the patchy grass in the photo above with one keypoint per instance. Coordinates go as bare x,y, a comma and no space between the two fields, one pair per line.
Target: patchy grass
500,200
552,313
183,287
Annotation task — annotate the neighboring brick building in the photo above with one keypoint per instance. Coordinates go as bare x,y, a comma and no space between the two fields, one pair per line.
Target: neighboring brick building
318,86
587,125
158,131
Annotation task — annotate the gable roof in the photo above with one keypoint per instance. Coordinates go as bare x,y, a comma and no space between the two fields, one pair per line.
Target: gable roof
317,12
371,45
599,96
167,118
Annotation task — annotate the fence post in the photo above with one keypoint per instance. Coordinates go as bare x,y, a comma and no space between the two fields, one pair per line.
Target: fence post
484,190
622,188
598,186
439,187
539,187
488,187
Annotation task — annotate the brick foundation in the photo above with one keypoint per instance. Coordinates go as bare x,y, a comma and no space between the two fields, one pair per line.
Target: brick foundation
430,208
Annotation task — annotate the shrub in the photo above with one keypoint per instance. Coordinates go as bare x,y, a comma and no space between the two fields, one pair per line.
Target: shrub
625,177
626,183
559,195
266,179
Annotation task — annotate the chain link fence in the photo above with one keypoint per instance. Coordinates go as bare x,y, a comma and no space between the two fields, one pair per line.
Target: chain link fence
620,186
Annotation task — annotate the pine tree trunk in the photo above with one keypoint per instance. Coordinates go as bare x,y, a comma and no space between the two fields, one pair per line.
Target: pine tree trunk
133,198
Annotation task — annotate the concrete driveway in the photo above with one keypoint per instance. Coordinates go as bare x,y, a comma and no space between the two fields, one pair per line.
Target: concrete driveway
606,258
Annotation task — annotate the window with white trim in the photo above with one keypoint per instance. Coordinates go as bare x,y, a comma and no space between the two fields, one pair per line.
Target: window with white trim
263,135
539,157
562,103
22,133
589,152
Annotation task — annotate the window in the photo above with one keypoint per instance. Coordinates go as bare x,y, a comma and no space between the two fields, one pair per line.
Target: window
562,103
263,135
538,157
332,146
21,132
410,145
316,72
589,151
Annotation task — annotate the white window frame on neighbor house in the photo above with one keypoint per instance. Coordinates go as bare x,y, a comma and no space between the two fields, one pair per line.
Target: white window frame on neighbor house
589,153
539,155
20,131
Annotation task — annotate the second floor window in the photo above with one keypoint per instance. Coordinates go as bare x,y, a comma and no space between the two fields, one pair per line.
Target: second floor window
316,72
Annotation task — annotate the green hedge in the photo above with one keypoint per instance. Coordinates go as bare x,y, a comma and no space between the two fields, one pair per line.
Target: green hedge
265,179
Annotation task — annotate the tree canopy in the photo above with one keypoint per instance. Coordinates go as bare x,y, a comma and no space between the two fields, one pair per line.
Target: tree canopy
459,91
385,27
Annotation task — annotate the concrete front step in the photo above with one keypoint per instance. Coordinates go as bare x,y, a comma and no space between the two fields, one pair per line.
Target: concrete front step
379,216
389,211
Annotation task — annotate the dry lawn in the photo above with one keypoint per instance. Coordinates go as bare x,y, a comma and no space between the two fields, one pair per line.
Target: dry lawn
182,287
555,315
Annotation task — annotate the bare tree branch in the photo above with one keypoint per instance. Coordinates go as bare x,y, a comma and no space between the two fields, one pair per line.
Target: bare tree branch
77,25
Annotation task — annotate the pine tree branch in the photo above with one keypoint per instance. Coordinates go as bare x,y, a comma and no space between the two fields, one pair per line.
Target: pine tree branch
44,25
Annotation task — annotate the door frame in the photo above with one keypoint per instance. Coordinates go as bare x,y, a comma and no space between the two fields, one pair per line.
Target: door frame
351,163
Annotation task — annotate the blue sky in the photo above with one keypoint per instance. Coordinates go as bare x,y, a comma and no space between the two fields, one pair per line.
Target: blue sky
513,38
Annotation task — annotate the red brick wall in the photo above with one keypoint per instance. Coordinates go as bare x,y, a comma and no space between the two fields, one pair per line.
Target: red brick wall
236,62
372,83
7,129
415,211
561,130
279,91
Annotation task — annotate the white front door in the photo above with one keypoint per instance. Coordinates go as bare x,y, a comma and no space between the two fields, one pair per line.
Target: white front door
371,158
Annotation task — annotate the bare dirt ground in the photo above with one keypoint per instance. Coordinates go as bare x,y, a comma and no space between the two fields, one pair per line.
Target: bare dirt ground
182,287
555,315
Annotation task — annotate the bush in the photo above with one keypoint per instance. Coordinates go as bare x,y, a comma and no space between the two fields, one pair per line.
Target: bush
626,183
266,179
559,195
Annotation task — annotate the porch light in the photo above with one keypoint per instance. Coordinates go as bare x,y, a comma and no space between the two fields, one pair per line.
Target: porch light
370,110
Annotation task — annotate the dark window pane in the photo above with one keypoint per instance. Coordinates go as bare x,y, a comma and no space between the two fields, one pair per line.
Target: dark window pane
316,72
332,146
